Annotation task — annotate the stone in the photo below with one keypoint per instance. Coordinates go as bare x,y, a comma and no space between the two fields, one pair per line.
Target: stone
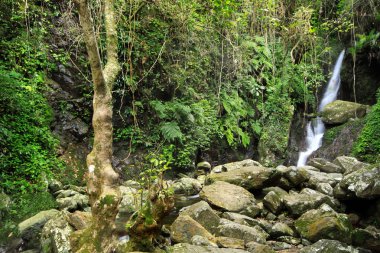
206,166
227,196
295,177
289,239
246,220
187,186
325,166
130,201
65,193
30,229
55,185
202,241
273,202
188,248
74,202
278,190
328,246
298,203
184,228
316,177
367,238
339,112
79,220
232,229
203,214
252,177
234,166
228,242
346,163
281,229
324,223
255,247
325,188
55,235
363,183
279,245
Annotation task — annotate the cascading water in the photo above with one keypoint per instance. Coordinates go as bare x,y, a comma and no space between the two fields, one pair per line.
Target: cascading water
315,129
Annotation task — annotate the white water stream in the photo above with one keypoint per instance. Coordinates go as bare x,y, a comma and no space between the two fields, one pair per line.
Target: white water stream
316,128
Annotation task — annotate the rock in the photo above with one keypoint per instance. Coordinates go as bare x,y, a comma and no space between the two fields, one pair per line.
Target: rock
227,196
79,220
346,163
324,223
130,201
298,203
281,229
316,177
289,239
202,241
65,193
279,245
339,112
255,247
184,228
187,186
203,214
279,191
72,203
363,183
325,166
188,248
273,202
30,229
329,246
234,166
294,176
243,219
204,166
252,177
228,242
76,127
55,185
55,235
367,238
232,229
325,188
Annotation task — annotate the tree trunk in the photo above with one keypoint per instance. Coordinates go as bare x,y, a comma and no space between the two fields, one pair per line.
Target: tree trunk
102,179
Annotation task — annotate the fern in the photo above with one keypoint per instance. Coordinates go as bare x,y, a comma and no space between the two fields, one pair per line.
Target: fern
171,131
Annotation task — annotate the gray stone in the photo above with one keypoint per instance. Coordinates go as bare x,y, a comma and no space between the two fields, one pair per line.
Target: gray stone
184,228
30,229
188,248
202,241
324,223
234,166
228,242
204,166
74,202
279,245
316,177
255,247
273,202
363,183
232,229
298,203
339,112
346,163
278,190
281,229
328,246
203,214
325,166
295,177
246,220
325,188
252,177
55,235
289,239
79,220
187,186
227,196
55,185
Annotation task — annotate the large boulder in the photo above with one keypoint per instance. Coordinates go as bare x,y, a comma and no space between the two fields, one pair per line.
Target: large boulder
234,166
273,202
252,177
325,166
363,183
324,223
184,228
203,214
298,203
30,229
339,112
55,235
188,248
187,186
329,246
232,229
227,196
316,177
348,164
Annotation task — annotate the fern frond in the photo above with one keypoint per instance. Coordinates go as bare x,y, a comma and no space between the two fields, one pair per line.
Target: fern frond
171,131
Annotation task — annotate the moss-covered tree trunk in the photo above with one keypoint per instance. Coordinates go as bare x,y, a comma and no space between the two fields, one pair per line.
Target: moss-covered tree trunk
102,179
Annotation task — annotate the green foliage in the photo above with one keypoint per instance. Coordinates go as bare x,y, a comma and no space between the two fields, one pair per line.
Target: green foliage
22,207
367,146
26,143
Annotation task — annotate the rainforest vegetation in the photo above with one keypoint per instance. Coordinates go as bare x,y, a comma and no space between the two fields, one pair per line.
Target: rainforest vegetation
196,80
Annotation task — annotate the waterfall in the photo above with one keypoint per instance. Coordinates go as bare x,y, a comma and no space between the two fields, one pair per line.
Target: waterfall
316,128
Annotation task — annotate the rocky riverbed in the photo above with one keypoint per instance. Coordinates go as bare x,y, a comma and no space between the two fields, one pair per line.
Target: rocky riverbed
326,206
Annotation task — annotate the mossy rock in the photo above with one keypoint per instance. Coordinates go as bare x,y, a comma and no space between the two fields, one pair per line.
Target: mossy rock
339,112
